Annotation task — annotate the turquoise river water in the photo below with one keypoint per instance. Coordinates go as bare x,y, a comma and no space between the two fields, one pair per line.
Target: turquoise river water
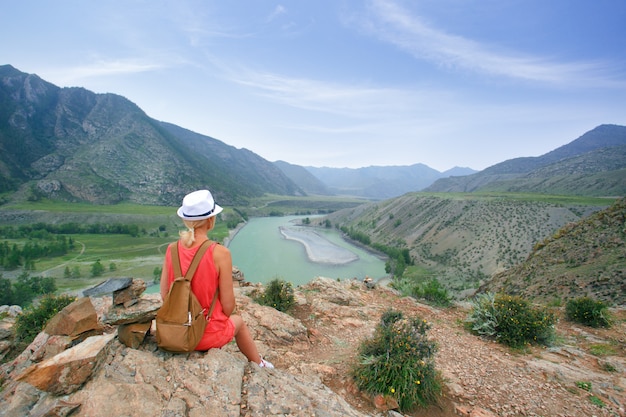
262,253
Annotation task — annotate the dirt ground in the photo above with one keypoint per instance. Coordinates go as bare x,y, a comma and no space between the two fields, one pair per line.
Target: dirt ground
584,374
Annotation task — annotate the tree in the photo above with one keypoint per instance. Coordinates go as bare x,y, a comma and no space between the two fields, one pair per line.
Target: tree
156,274
97,269
6,292
76,272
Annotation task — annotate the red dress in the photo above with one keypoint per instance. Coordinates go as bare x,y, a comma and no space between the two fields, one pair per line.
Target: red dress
220,329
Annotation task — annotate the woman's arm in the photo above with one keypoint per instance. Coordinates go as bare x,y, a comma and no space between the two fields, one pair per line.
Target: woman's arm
224,267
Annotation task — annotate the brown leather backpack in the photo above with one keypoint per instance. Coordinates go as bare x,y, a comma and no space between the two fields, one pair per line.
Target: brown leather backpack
181,320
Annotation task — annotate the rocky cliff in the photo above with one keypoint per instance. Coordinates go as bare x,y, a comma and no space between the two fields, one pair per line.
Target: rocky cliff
120,372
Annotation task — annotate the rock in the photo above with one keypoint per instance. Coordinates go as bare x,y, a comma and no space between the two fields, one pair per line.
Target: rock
11,311
184,385
54,345
481,412
69,370
385,402
54,407
6,328
133,335
141,312
274,328
19,400
237,274
129,295
108,287
76,318
272,392
335,292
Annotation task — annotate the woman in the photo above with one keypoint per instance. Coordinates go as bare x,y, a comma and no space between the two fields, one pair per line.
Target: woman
198,213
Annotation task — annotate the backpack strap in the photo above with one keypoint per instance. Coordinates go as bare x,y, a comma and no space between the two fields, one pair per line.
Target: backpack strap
194,263
192,268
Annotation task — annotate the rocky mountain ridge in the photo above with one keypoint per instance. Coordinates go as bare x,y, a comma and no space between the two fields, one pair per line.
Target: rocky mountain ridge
75,145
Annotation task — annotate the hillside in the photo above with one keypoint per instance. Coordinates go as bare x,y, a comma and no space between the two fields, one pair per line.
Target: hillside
75,145
464,239
592,165
314,348
586,258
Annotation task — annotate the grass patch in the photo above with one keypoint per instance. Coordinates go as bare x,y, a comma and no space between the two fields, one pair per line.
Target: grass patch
603,349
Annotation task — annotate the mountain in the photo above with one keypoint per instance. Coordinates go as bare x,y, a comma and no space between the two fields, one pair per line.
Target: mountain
303,178
586,258
380,182
463,240
592,165
75,145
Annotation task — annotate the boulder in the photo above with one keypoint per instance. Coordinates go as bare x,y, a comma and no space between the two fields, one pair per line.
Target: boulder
108,287
75,319
133,335
70,369
141,312
129,295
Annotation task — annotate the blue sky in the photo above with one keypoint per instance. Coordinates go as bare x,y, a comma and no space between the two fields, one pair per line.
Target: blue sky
343,83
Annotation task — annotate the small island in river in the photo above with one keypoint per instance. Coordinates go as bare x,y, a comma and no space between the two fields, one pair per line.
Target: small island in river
318,248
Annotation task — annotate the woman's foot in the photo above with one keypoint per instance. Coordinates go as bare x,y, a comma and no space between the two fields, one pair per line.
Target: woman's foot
266,364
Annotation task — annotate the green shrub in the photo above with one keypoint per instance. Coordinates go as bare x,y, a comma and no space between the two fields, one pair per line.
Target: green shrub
433,292
398,361
404,285
589,312
511,320
34,319
278,294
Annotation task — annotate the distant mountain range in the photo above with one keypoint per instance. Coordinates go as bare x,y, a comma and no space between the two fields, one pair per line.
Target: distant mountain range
75,145
381,182
592,165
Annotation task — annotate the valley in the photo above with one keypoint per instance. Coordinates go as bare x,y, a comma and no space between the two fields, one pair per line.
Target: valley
461,239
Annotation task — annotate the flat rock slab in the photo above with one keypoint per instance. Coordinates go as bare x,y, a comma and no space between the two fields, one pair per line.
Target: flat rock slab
108,286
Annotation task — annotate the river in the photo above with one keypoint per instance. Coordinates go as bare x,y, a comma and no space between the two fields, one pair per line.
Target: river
276,247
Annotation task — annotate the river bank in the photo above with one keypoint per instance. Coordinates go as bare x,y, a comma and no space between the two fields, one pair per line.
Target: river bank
318,248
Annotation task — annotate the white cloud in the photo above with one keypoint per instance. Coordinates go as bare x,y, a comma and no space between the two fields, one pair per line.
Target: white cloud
72,75
279,10
354,101
409,32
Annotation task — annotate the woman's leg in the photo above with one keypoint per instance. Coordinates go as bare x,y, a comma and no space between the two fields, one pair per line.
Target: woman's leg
244,339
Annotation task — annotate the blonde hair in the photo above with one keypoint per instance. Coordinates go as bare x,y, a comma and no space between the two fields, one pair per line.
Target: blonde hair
189,236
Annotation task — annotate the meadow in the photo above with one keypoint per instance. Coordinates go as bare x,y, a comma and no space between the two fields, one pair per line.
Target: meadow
123,255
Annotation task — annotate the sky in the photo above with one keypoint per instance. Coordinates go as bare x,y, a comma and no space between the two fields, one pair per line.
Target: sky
343,83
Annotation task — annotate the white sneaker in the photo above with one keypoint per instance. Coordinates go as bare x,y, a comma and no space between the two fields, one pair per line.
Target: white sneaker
266,364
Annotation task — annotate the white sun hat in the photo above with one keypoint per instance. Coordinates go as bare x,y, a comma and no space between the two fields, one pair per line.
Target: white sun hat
198,205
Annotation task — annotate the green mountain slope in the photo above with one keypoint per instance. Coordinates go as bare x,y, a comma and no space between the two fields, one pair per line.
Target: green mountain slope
592,165
465,238
75,145
586,258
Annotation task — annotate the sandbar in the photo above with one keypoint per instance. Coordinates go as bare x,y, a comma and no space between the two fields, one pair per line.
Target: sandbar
318,248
